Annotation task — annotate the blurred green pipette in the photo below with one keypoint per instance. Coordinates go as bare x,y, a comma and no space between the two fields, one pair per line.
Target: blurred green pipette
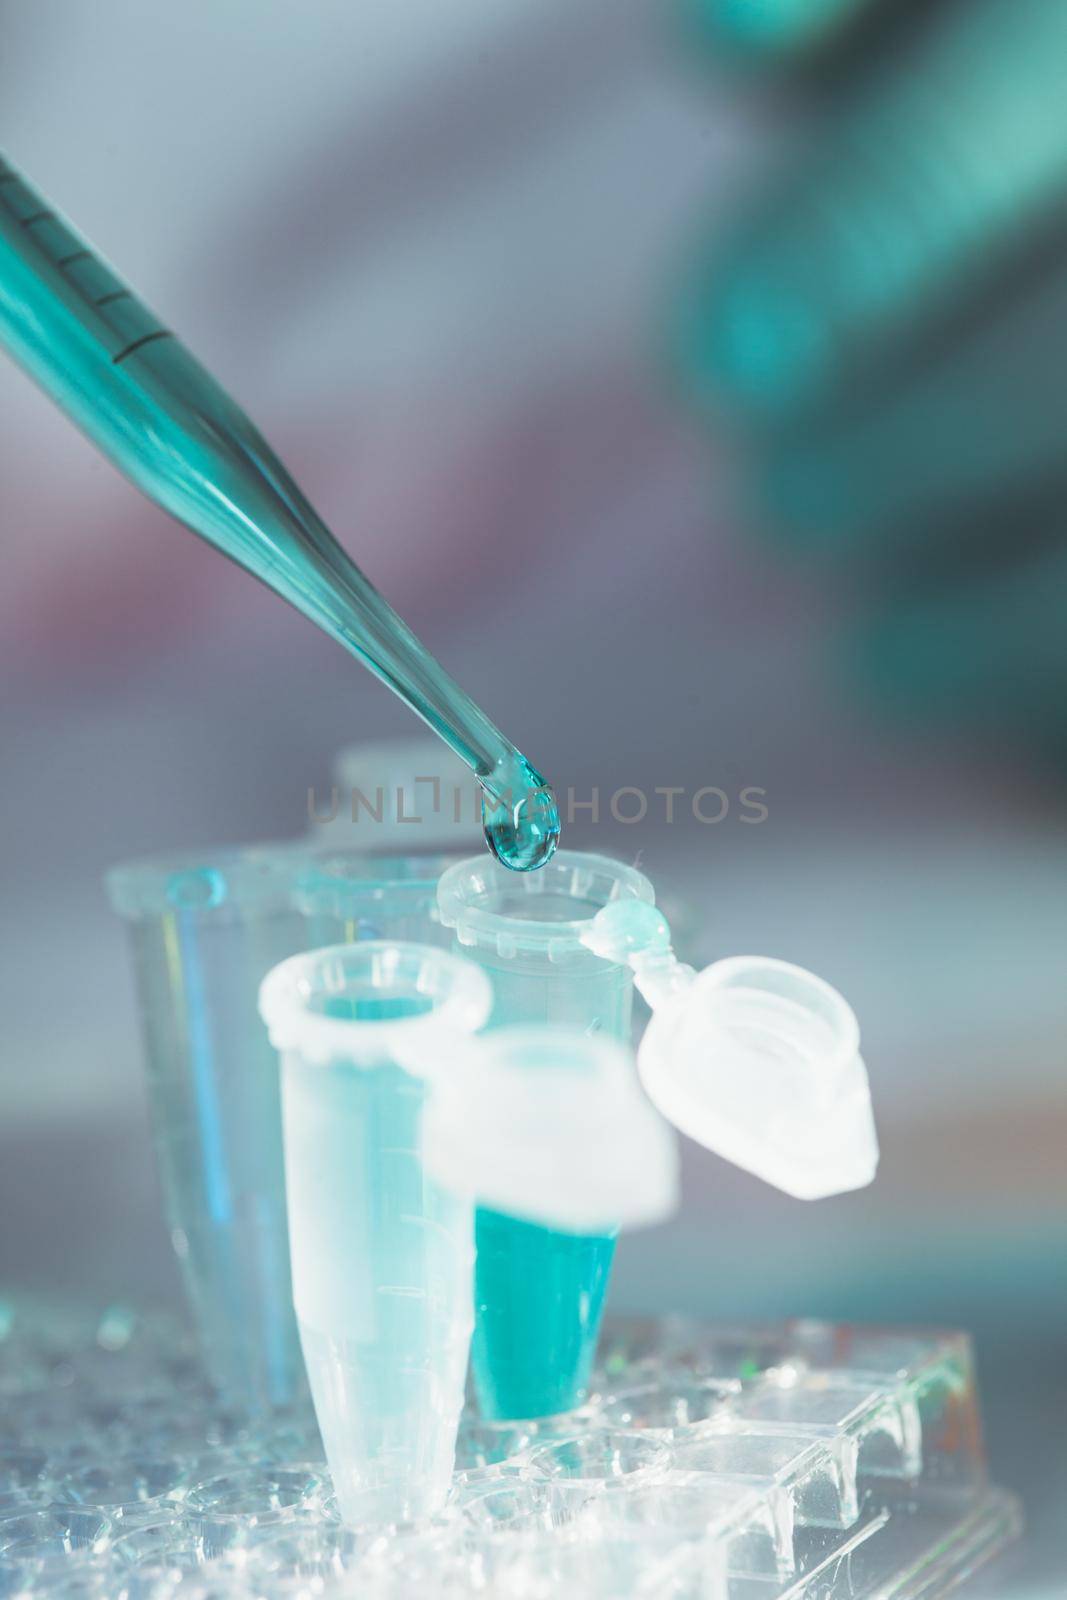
168,426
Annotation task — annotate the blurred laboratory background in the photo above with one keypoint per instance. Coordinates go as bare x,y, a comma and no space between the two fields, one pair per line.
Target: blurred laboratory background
691,378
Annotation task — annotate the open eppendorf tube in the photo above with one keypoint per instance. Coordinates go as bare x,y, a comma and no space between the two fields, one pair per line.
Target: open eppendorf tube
382,1255
539,1290
754,1058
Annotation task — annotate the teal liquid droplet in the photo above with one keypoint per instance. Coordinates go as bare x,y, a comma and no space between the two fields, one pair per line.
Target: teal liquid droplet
520,817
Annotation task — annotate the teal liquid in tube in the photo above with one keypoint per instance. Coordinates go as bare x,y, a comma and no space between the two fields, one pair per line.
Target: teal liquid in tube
538,1306
539,1293
149,406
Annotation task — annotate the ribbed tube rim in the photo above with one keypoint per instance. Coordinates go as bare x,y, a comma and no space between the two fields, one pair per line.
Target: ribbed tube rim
458,991
469,896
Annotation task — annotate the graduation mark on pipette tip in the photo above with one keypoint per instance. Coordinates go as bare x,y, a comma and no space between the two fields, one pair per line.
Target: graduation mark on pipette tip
147,338
38,216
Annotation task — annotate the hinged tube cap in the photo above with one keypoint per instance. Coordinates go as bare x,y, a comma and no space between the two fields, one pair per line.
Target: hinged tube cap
550,1125
759,1061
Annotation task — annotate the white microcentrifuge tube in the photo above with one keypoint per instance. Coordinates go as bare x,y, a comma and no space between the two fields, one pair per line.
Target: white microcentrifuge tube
753,1058
539,1292
550,1126
382,1256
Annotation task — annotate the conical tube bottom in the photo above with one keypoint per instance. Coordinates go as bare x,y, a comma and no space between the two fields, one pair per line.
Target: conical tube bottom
388,1419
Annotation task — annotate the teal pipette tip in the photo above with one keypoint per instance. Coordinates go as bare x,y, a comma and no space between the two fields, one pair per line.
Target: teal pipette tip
520,819
162,419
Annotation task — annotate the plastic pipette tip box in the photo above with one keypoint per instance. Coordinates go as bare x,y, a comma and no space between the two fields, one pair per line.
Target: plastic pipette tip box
799,1461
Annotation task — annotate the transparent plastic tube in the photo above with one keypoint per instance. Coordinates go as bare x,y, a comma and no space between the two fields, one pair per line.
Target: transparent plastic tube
204,931
539,1293
383,1258
345,895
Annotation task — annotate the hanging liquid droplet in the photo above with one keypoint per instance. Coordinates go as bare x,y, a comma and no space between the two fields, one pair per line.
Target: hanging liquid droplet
520,817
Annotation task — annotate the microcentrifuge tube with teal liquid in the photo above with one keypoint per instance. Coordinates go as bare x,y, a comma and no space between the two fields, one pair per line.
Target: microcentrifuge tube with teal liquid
547,1127
539,1292
163,420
